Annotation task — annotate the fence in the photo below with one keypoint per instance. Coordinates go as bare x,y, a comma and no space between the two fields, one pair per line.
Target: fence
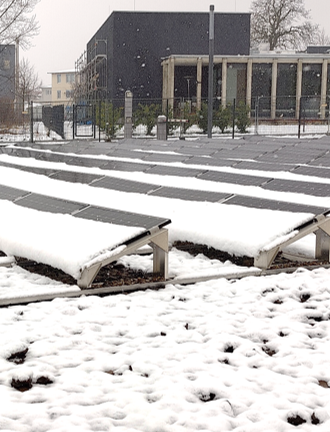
104,120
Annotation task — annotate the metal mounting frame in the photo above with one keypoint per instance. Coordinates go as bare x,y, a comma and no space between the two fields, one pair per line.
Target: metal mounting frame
157,238
319,225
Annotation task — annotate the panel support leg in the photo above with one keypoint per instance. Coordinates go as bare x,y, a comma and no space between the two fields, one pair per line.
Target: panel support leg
160,254
322,247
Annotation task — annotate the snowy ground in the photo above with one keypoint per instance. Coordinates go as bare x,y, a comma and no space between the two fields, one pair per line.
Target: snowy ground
243,355
246,355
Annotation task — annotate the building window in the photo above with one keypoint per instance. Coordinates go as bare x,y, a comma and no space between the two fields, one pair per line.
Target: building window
59,78
70,78
59,94
68,94
286,90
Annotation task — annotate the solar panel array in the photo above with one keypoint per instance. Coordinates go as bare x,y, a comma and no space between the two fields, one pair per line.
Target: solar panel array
221,161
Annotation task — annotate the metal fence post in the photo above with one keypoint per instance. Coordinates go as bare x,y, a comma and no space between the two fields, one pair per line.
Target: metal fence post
234,115
31,122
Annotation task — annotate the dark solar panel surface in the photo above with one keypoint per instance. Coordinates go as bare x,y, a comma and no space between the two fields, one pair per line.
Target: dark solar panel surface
313,171
173,171
322,162
129,154
75,177
265,166
87,162
125,166
307,188
118,217
10,193
209,161
234,178
239,153
164,157
49,204
189,194
284,157
261,203
124,185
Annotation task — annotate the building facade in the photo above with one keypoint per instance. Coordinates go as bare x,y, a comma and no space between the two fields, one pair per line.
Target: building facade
276,84
62,86
127,51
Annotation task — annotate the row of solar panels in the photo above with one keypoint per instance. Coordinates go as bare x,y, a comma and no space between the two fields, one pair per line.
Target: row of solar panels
273,155
123,185
60,206
304,187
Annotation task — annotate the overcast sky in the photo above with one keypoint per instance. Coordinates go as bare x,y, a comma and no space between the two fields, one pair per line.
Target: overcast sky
67,25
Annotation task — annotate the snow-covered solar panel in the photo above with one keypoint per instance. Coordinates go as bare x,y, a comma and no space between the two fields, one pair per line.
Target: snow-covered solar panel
307,188
119,217
189,194
124,185
262,203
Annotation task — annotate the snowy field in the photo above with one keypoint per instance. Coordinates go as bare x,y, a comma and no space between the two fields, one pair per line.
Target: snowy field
248,355
243,355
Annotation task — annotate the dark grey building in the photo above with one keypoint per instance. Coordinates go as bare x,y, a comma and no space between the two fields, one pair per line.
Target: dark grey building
7,72
127,51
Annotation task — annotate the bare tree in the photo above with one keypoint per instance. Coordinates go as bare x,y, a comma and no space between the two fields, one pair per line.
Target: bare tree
17,22
321,38
283,24
29,87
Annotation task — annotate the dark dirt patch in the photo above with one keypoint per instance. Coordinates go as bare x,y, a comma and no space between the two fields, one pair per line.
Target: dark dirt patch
117,275
18,357
21,385
110,275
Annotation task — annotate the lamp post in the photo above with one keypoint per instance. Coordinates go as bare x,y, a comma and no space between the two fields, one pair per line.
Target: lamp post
211,56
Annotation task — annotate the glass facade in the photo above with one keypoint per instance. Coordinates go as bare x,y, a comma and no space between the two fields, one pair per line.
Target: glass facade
286,90
261,89
311,90
236,82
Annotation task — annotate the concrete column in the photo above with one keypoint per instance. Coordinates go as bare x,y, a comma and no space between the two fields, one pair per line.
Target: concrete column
128,127
199,83
324,88
249,82
171,67
274,90
224,83
165,84
298,88
161,128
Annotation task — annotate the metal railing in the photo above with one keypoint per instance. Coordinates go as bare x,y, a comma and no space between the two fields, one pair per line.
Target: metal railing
104,120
